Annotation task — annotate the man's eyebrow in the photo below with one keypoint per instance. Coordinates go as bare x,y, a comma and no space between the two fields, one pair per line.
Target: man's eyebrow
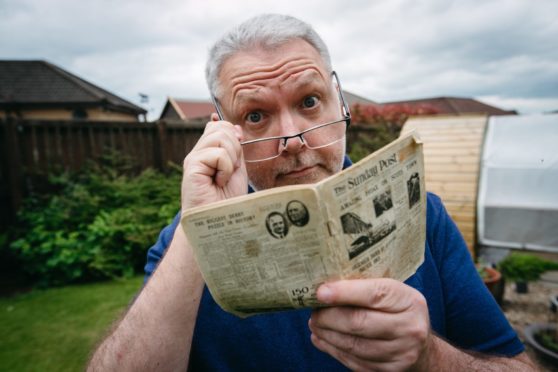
308,78
244,98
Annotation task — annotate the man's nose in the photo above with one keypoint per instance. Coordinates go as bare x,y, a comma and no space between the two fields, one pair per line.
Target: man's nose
289,128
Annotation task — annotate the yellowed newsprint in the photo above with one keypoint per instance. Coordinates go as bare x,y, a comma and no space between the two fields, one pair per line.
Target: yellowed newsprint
269,251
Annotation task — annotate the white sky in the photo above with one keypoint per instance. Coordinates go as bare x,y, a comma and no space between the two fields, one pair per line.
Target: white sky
501,52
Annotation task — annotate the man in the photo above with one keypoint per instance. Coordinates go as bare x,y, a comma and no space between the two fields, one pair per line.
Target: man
297,213
271,77
276,225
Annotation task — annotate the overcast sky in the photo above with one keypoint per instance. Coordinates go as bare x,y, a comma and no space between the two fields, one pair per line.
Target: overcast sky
501,52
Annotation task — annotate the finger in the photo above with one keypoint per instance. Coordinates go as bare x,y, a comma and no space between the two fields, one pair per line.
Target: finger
225,140
234,131
222,127
225,137
212,162
362,347
348,360
379,294
359,321
239,133
214,116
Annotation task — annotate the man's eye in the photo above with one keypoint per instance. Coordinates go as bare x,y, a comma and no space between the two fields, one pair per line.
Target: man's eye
254,117
310,101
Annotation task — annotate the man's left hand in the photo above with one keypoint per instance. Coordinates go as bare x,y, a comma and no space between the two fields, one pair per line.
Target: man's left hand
373,324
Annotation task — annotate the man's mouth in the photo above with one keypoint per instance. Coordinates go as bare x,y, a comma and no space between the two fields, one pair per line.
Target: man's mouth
300,172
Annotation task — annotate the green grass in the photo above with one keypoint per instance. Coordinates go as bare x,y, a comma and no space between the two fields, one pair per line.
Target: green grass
56,329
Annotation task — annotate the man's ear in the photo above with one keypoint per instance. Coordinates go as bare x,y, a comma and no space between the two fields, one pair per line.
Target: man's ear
214,117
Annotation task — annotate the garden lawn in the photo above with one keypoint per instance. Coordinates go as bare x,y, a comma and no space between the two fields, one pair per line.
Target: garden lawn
56,329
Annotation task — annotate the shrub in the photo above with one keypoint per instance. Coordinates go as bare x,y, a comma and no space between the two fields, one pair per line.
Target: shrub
96,224
525,267
366,142
386,120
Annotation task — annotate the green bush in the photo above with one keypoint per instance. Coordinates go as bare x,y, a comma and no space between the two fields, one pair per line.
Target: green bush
523,267
96,224
365,143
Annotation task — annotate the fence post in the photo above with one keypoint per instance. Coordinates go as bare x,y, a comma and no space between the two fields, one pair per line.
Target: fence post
161,151
13,163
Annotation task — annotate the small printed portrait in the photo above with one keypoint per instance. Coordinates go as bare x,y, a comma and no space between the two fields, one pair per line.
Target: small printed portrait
413,188
297,213
276,225
382,202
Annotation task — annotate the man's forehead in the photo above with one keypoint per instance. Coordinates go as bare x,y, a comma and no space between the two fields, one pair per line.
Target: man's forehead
262,67
249,91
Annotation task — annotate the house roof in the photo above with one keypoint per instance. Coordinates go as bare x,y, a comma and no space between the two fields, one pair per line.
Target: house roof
353,99
188,109
41,84
454,105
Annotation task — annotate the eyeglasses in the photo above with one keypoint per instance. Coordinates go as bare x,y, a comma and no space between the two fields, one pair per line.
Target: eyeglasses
316,137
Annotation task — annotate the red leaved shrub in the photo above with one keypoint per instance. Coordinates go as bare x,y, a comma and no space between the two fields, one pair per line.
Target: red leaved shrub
375,126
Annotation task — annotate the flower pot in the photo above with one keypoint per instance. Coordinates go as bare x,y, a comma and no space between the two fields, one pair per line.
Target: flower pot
495,283
531,331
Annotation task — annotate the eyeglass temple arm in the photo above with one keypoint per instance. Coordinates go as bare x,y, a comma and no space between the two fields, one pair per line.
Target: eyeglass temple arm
347,112
217,107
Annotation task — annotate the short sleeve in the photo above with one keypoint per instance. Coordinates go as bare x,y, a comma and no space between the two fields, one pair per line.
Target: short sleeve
156,252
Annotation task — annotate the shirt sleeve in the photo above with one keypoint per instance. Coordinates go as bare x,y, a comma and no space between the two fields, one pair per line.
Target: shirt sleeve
156,252
473,318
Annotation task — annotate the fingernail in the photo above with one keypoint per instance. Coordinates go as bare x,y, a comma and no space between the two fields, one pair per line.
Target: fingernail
325,294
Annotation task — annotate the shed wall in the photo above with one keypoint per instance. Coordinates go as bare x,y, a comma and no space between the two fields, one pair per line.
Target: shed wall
452,151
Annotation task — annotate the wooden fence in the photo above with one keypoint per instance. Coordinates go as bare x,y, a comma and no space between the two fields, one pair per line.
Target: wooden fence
32,149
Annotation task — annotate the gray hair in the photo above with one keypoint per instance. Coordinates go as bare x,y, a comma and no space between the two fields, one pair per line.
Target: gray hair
266,31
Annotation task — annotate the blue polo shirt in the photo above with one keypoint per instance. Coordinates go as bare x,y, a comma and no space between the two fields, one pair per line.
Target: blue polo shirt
460,307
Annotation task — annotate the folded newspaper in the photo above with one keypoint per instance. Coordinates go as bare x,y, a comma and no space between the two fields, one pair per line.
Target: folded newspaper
271,250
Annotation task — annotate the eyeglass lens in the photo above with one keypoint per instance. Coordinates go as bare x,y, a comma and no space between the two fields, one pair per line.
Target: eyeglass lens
317,137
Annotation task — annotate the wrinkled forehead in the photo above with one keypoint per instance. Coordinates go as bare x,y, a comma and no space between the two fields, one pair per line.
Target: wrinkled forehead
295,61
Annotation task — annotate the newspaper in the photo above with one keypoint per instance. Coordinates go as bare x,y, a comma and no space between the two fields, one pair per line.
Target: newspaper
271,250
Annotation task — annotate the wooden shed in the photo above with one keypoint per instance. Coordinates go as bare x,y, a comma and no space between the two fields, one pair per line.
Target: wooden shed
452,154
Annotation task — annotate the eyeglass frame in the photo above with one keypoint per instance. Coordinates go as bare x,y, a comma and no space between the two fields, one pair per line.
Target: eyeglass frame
346,118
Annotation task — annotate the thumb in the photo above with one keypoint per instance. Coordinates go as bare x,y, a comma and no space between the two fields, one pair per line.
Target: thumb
381,294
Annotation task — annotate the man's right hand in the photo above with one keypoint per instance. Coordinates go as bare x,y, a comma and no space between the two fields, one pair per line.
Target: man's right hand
214,170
